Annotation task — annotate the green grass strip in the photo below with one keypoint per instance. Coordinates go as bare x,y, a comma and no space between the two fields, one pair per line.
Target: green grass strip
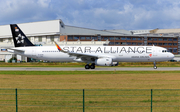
81,72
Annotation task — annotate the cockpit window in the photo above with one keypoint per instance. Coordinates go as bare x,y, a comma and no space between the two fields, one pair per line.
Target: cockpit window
164,51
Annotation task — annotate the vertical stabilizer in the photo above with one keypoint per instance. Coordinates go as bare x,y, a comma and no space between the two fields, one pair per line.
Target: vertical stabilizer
19,38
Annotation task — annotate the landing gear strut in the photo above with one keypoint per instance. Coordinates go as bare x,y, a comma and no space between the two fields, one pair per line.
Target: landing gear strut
155,67
92,66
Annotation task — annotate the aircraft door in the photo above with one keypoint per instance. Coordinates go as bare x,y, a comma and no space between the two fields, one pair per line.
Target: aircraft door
34,53
155,50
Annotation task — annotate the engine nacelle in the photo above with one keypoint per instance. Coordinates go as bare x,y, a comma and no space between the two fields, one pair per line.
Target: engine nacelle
115,63
103,62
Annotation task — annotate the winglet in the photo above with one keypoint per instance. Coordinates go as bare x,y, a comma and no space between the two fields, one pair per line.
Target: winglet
59,48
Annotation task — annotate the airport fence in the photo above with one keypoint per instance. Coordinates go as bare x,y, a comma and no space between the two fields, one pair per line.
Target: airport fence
89,100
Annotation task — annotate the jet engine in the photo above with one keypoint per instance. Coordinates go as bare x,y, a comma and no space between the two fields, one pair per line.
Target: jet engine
103,62
115,63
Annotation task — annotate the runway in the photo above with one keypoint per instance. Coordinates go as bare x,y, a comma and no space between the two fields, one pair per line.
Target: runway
83,69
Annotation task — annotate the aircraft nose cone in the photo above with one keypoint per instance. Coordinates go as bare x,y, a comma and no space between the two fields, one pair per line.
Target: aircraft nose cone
171,56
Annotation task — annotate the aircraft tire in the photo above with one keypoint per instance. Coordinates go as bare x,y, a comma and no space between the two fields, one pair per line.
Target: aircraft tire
155,67
87,66
92,66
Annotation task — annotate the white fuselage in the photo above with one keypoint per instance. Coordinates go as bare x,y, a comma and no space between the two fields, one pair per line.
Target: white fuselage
117,53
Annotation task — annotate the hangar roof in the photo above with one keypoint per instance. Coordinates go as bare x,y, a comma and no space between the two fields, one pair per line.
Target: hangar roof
72,30
33,28
165,31
57,27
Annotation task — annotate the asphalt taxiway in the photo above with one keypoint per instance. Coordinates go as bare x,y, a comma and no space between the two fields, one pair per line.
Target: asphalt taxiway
83,69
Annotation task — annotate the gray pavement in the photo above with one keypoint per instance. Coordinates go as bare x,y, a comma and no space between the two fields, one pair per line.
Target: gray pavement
82,69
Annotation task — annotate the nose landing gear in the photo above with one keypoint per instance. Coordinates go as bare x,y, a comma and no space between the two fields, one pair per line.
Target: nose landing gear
155,67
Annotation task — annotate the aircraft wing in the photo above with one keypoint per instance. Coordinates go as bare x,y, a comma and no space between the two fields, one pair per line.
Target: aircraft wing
84,57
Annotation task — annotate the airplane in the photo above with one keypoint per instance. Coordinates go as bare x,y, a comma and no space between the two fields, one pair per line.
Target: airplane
92,55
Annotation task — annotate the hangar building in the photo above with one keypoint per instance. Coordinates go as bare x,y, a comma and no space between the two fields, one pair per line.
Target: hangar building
46,32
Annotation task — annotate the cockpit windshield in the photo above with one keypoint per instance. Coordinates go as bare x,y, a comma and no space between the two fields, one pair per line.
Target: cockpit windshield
164,51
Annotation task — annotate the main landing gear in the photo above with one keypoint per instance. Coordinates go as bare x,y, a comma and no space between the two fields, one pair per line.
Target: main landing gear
155,67
92,66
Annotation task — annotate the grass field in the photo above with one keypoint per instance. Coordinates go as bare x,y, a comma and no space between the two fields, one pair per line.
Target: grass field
90,79
95,83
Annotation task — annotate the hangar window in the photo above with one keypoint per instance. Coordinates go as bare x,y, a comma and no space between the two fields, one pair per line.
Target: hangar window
99,38
133,43
139,38
139,43
170,50
175,44
160,39
76,38
82,38
160,44
175,50
123,38
155,39
9,39
95,38
174,39
128,43
117,43
149,38
165,44
133,38
170,39
170,44
117,38
1,40
52,38
154,43
111,43
123,43
111,38
70,38
105,38
40,39
88,38
128,38
165,39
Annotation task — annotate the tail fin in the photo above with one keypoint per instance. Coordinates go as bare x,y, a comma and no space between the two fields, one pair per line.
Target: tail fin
19,38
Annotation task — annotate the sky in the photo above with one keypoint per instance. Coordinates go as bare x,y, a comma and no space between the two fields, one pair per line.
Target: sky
95,14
